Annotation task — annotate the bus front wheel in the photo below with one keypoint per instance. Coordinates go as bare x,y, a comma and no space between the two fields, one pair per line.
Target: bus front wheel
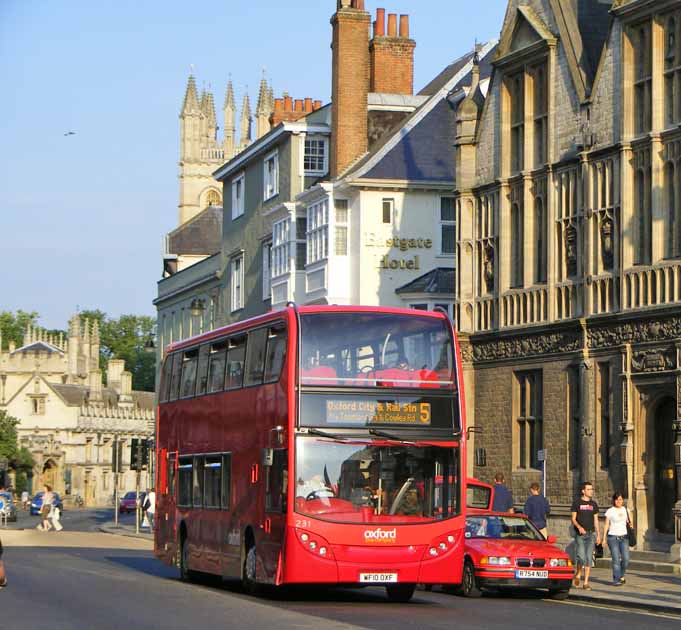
248,579
400,592
186,574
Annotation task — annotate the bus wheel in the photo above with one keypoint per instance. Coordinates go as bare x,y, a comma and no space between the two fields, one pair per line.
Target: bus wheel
469,585
186,574
400,592
248,576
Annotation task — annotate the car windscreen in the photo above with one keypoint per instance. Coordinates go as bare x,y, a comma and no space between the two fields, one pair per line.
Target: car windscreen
365,349
501,527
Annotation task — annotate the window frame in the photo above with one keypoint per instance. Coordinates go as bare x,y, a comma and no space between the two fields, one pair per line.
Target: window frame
341,226
387,205
446,224
270,178
236,287
325,157
317,232
281,247
267,270
529,419
238,202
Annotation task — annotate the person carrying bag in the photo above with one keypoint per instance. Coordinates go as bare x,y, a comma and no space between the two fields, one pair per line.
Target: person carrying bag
619,532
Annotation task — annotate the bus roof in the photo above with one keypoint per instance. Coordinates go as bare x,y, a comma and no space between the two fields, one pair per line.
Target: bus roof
288,312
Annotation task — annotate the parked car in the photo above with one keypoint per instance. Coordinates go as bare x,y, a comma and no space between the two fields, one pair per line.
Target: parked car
506,551
8,508
127,503
37,502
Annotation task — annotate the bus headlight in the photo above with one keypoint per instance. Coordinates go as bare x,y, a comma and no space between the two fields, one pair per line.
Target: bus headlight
432,551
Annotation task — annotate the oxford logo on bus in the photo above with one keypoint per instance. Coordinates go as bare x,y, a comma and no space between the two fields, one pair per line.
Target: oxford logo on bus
380,535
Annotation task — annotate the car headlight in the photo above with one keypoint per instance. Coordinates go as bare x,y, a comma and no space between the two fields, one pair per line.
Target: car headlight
501,561
558,562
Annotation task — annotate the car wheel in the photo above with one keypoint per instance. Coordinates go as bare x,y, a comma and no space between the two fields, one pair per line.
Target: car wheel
400,592
559,594
248,577
469,583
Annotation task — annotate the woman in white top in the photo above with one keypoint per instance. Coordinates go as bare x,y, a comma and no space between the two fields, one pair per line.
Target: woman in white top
616,520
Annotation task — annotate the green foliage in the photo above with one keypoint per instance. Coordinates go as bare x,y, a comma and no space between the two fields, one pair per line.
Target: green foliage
8,436
13,326
127,338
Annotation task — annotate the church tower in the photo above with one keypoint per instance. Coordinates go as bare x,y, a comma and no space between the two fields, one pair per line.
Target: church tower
200,154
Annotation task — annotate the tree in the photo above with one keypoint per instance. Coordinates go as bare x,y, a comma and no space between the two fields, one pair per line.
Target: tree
13,326
128,337
8,436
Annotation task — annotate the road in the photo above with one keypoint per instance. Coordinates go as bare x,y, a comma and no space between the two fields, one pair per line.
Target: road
84,580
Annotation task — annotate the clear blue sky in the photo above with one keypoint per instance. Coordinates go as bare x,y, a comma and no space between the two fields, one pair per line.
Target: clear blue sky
82,216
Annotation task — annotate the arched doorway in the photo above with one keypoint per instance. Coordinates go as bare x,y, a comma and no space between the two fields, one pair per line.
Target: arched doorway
50,473
665,472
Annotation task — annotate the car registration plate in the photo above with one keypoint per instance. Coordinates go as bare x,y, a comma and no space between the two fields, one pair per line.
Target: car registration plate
532,574
377,578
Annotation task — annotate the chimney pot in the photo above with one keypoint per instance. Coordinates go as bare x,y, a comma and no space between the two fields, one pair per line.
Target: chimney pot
288,104
317,105
379,24
359,4
299,105
278,104
308,105
404,26
392,24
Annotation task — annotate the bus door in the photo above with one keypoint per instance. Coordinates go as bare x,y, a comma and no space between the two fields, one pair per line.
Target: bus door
166,524
275,470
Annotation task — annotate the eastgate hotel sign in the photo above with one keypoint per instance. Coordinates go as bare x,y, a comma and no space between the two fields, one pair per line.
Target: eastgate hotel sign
398,245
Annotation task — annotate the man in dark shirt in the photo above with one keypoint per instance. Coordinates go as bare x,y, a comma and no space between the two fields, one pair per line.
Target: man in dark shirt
536,508
503,499
587,532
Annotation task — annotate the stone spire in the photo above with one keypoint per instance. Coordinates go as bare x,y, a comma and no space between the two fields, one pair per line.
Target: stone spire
263,110
191,98
94,346
210,113
245,128
74,348
229,109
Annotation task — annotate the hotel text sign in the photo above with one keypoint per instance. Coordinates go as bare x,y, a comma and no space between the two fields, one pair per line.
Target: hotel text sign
399,244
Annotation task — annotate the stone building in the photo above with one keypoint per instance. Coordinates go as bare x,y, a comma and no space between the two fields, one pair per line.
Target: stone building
67,416
568,255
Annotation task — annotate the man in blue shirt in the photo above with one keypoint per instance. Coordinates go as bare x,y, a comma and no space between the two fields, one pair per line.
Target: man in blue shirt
536,508
503,499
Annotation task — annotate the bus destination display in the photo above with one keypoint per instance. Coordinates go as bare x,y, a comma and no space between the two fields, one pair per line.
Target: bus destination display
365,412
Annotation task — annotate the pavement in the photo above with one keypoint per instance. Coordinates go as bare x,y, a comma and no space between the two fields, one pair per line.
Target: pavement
125,529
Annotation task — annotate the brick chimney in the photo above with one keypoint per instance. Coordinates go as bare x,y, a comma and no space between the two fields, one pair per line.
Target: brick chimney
392,56
288,110
350,84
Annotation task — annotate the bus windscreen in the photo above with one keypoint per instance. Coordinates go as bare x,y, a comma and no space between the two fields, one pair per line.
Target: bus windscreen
375,350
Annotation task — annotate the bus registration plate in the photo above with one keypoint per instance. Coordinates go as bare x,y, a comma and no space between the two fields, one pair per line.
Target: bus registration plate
527,573
377,578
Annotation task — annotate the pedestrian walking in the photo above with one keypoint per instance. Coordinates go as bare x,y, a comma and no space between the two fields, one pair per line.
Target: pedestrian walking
45,509
615,532
586,531
3,576
503,499
55,518
149,508
537,508
25,499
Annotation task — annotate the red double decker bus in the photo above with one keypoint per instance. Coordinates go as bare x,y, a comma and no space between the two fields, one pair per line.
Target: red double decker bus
320,444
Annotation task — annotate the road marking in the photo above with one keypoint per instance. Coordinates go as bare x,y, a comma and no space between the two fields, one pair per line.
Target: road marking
628,609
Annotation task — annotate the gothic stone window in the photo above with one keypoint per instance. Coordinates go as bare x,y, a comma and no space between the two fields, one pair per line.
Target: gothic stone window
540,251
541,114
643,208
672,70
672,155
643,79
37,405
529,424
517,237
516,87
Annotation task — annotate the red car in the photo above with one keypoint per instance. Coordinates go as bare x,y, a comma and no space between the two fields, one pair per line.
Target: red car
507,551
127,502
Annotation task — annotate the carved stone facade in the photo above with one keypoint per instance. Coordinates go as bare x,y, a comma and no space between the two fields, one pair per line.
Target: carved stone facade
67,417
573,316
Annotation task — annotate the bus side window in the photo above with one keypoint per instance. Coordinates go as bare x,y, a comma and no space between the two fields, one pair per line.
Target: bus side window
189,362
171,475
236,356
165,378
277,481
185,473
276,353
255,357
175,379
226,480
216,368
211,481
202,370
197,492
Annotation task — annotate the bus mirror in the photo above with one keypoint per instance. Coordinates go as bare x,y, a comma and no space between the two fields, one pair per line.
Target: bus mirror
267,456
277,436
